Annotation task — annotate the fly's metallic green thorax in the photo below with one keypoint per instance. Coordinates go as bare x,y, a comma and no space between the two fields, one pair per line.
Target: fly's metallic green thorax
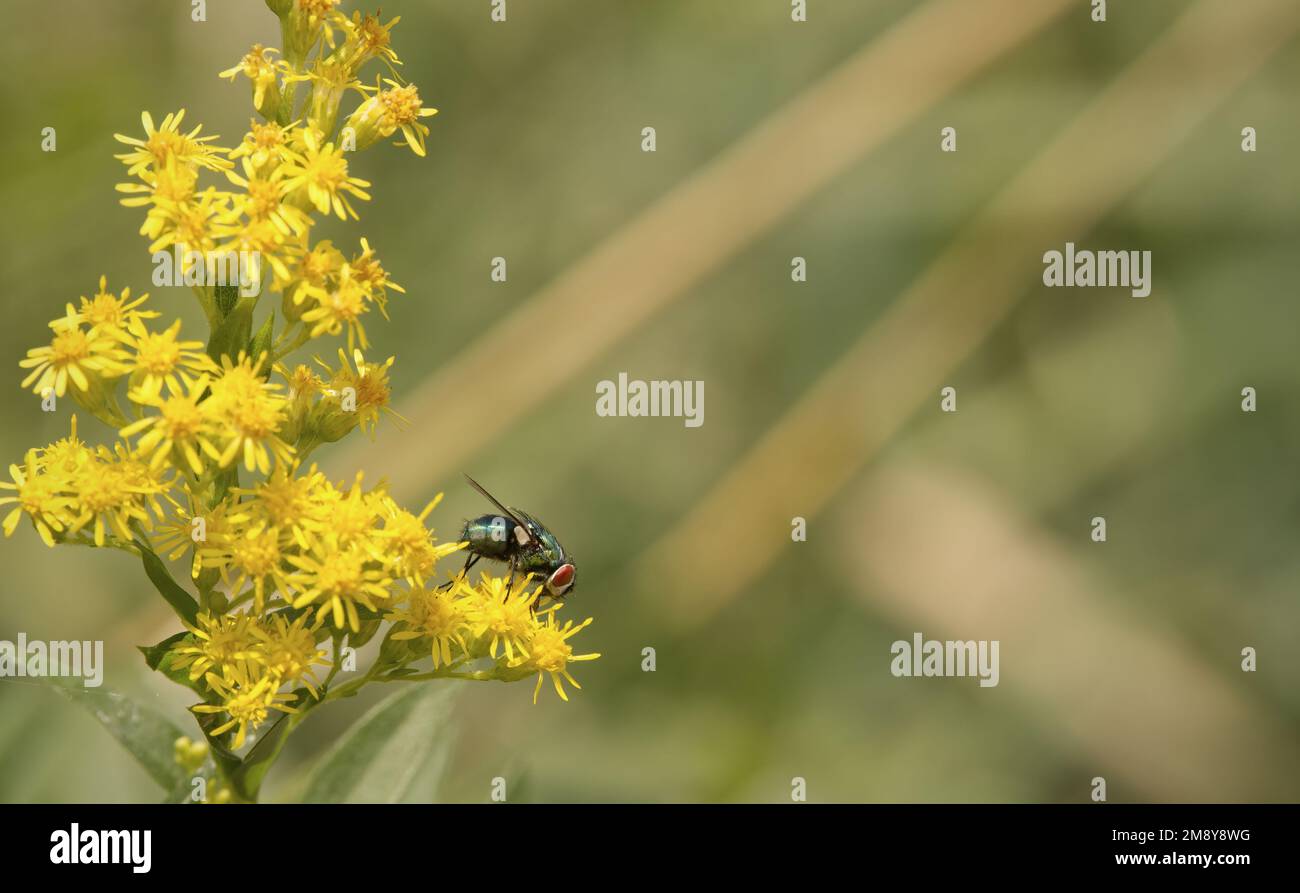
515,537
548,549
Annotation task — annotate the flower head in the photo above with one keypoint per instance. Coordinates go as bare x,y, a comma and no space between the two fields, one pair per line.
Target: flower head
501,616
247,412
549,652
317,177
260,69
389,110
166,144
39,495
435,615
75,354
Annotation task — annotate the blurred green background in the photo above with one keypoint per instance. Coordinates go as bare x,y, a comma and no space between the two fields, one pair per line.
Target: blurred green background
1119,660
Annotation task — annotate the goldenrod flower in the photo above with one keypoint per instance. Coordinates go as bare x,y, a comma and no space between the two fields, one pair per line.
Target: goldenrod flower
370,274
247,412
75,354
214,435
39,495
435,615
183,426
501,618
263,200
246,707
304,385
261,241
341,308
289,651
367,39
310,277
306,23
223,643
318,177
113,491
169,191
153,484
175,535
67,456
550,652
365,385
339,579
109,313
288,503
161,358
383,114
350,516
166,143
261,70
330,79
264,144
249,556
189,224
408,544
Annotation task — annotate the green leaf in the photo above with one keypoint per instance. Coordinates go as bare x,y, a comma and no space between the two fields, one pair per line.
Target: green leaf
231,337
158,657
395,753
261,342
247,779
364,634
181,601
149,736
225,481
225,758
154,654
225,296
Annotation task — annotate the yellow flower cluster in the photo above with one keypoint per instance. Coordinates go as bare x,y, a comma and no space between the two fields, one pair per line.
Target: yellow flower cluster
247,661
284,561
73,492
468,622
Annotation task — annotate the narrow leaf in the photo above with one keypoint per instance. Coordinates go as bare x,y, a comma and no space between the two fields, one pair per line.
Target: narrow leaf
225,297
181,601
261,342
153,654
231,336
395,753
159,659
247,779
149,736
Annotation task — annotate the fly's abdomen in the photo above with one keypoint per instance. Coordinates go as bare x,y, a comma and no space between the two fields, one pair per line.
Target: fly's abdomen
490,536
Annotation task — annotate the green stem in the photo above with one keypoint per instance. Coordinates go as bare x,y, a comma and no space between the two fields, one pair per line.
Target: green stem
446,673
209,305
109,543
304,335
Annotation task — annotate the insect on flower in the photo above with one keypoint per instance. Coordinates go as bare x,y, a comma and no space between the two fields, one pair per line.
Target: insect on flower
520,540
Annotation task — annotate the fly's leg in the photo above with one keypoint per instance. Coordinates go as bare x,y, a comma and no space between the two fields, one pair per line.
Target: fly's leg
470,562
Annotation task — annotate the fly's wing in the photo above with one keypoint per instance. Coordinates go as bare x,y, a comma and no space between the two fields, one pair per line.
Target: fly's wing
546,540
505,511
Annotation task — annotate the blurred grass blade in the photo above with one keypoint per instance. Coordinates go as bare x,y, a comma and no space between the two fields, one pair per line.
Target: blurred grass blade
149,736
699,226
393,754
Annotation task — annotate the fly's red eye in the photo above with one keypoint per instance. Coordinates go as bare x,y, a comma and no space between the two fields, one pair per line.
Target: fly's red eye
562,577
